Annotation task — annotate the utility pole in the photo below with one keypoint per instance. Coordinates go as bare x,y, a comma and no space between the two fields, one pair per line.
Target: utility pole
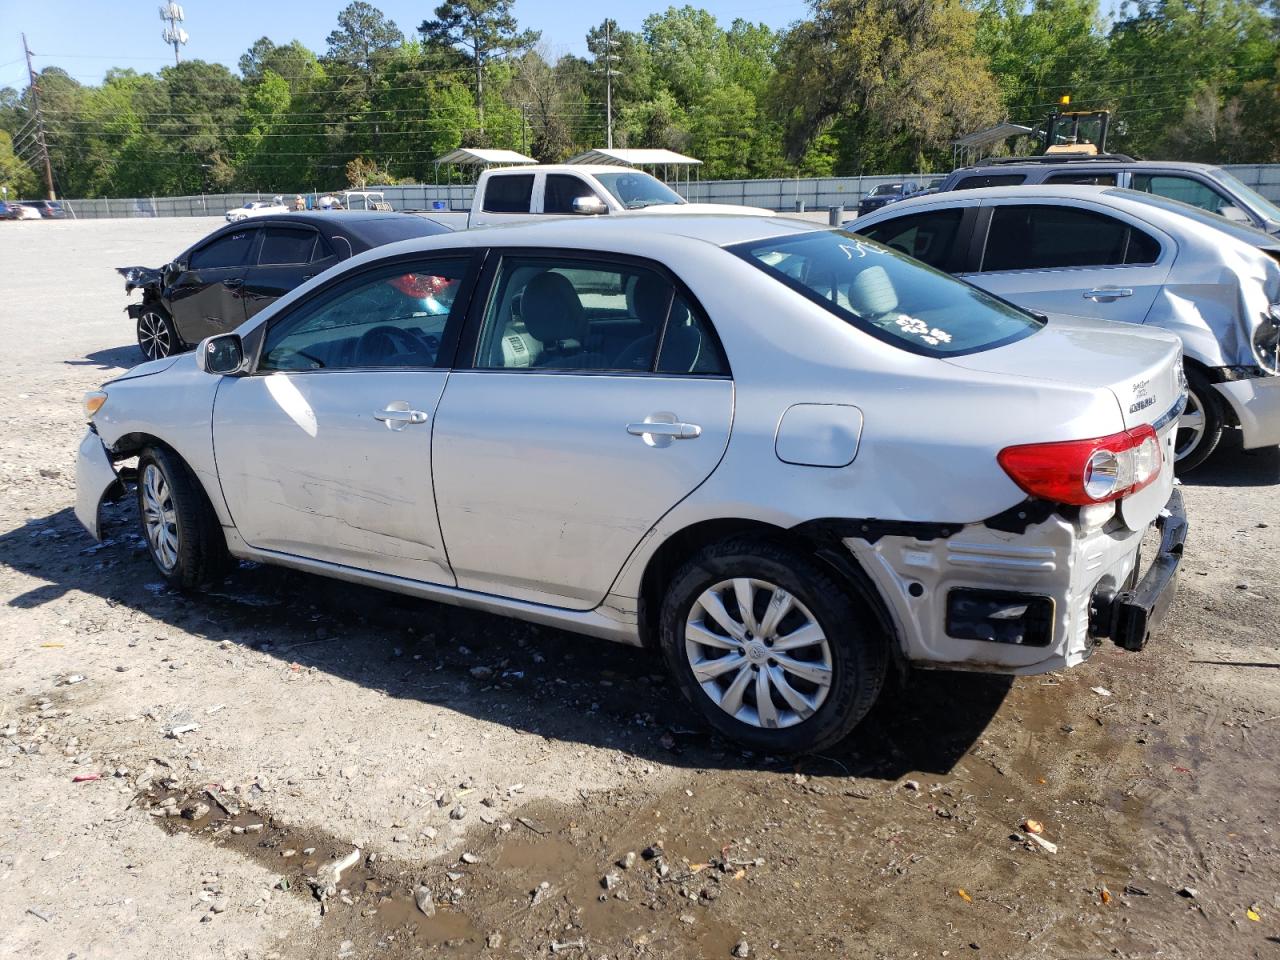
609,73
524,128
35,103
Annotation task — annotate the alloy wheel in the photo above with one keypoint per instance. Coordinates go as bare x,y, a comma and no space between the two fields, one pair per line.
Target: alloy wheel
758,653
1191,427
159,518
153,336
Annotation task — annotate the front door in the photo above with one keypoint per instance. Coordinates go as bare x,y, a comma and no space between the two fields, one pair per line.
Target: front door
561,448
206,298
325,451
1067,259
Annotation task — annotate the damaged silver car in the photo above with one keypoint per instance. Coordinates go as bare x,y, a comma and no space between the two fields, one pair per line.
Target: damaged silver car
1120,255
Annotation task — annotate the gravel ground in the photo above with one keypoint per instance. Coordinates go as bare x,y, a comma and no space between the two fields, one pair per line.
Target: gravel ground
507,773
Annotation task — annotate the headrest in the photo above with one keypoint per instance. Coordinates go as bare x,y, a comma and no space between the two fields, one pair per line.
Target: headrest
551,309
871,293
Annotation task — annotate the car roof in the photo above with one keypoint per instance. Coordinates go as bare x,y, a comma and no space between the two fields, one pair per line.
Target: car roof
718,229
1082,163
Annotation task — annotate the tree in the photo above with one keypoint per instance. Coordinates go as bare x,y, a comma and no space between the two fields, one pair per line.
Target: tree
480,30
15,175
364,38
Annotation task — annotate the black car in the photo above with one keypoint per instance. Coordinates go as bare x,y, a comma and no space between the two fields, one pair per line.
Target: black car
230,275
886,193
49,209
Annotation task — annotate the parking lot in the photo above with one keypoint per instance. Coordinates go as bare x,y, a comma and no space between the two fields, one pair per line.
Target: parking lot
512,770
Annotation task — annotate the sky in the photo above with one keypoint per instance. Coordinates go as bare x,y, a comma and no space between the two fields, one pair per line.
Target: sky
88,37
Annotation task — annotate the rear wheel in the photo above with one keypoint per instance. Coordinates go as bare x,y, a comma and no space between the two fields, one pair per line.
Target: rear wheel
1201,424
770,647
157,336
182,532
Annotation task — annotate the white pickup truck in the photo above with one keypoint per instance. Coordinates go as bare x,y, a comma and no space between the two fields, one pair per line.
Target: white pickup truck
509,194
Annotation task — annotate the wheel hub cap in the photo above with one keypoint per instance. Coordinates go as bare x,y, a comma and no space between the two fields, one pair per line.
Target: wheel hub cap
758,653
159,519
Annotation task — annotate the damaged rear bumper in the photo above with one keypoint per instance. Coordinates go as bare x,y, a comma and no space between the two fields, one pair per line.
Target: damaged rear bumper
96,482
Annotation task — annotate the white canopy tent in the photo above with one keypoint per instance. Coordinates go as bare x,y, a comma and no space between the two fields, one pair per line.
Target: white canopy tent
988,137
644,158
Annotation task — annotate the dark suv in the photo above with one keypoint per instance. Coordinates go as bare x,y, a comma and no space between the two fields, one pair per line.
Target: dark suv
1199,184
49,209
886,193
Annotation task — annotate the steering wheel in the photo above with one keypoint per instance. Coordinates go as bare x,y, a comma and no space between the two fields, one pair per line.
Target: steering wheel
371,348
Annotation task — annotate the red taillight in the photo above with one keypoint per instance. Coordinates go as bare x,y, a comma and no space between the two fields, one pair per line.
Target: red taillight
1082,472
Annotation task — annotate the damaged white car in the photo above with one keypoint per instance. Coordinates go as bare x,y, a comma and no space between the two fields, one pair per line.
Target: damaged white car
786,459
1122,255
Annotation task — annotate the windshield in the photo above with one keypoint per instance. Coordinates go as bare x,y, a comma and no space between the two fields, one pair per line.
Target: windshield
890,296
885,189
1256,200
634,190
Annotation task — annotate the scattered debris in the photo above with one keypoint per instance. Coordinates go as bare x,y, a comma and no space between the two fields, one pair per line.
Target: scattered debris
1253,915
1033,826
325,882
743,949
86,777
425,901
1045,845
963,895
911,785
1191,893
627,861
1101,691
195,811
579,944
176,732
533,825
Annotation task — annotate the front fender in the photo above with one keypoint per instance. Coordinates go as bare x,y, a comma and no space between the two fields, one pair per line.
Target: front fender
96,482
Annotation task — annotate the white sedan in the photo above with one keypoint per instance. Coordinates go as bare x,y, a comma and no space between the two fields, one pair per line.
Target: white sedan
256,208
784,459
1122,255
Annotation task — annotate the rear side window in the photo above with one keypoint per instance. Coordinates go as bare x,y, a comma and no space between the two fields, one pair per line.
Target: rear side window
286,245
888,295
229,250
926,236
979,180
560,192
1036,237
1087,179
509,194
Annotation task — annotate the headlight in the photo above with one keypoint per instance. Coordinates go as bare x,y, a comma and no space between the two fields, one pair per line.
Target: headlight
93,401
1266,340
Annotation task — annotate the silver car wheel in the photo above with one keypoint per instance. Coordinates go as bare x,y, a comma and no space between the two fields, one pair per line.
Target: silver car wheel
153,336
758,653
159,518
1191,427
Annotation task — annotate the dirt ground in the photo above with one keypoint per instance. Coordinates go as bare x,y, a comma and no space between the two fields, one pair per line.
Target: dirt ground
549,794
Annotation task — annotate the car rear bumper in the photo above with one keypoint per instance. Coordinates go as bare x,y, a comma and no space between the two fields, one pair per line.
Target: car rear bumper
1256,404
1023,602
96,482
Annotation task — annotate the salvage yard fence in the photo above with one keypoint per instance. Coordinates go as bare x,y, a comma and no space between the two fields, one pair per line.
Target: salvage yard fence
815,193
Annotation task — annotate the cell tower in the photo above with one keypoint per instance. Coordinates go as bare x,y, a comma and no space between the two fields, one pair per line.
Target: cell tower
171,13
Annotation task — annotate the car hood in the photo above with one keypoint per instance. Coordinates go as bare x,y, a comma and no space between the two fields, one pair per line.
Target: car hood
152,367
1140,366
665,208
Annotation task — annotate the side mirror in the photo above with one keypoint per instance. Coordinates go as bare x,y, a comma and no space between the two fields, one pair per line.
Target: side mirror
589,206
1235,214
222,355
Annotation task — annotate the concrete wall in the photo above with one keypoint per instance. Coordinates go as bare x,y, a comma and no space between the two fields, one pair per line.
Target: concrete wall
776,194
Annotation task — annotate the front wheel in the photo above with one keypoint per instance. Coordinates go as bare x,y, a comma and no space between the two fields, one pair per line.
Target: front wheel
771,648
157,336
1201,424
182,532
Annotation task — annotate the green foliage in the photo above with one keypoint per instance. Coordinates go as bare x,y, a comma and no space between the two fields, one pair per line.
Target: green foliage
859,86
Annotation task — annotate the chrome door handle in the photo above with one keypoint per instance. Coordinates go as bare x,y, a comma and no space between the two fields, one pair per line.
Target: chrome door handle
1107,294
397,415
660,429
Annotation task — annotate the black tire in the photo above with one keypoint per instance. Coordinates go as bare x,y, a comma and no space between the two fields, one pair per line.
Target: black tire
1201,396
858,648
198,552
157,335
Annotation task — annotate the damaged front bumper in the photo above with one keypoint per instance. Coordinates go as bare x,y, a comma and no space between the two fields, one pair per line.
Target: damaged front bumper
1023,601
1254,398
96,482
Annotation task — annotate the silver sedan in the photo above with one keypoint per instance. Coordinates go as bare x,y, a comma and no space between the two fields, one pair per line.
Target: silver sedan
785,459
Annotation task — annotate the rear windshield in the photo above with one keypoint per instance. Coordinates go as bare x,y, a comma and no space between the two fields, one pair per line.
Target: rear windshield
890,296
390,229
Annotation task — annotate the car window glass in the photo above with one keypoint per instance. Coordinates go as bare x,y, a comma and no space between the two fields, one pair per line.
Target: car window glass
925,236
979,180
1088,179
394,317
553,314
888,295
1045,237
229,250
1181,188
560,192
323,250
286,245
689,345
509,194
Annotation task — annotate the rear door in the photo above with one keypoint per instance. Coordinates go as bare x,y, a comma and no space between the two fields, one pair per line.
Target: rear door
1070,258
553,455
287,257
206,299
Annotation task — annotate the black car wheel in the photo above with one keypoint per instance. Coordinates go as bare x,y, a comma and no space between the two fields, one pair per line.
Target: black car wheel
770,647
182,532
1201,424
157,336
